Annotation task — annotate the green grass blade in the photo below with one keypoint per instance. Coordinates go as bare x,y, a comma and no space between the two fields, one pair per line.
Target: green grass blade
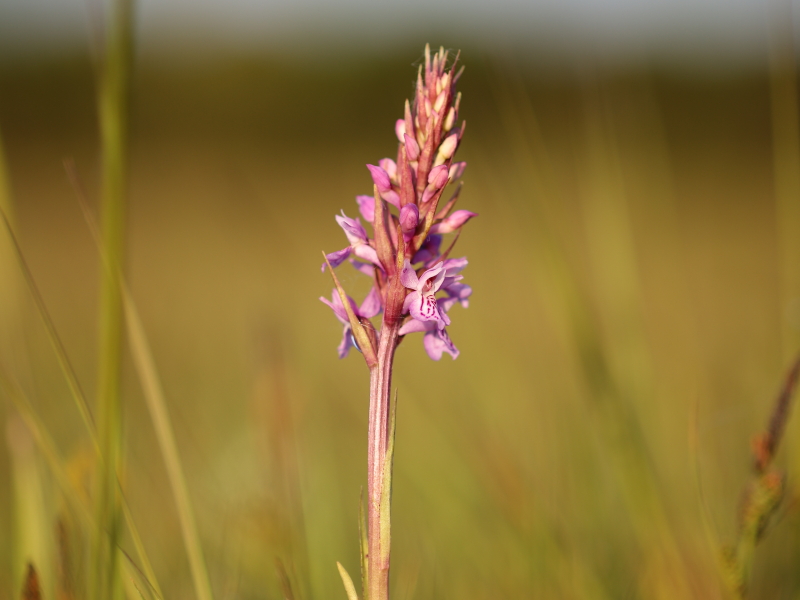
156,404
348,583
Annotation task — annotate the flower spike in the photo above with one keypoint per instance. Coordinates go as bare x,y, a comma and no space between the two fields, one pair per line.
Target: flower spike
414,284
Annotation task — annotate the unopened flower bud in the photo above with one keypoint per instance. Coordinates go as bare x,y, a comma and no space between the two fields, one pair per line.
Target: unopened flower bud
400,129
381,179
448,147
450,120
438,176
409,219
388,165
439,103
457,170
437,179
412,148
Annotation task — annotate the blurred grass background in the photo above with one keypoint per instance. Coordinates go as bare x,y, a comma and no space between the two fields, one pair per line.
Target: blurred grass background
630,293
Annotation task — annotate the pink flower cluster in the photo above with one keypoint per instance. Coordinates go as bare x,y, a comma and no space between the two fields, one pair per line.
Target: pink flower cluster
404,255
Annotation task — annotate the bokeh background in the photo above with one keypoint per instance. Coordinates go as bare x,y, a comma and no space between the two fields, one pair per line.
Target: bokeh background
636,268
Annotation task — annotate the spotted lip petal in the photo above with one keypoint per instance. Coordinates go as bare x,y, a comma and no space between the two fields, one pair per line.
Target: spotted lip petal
436,341
421,302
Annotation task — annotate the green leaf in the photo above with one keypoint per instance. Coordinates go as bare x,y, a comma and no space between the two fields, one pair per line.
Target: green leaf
348,583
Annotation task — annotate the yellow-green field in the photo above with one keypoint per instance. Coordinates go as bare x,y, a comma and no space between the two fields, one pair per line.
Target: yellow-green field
635,310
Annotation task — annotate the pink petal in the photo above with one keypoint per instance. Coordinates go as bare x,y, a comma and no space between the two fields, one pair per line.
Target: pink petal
424,308
457,170
388,165
414,326
438,176
429,250
412,147
381,178
346,343
453,222
438,342
437,274
353,229
409,218
455,265
367,269
368,253
337,258
366,206
371,305
337,307
412,297
408,277
391,197
400,129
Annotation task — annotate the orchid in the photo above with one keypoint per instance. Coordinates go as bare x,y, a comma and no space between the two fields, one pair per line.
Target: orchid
421,302
436,341
409,265
359,243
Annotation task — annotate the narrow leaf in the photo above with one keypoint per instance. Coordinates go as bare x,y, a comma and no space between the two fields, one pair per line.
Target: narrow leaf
348,583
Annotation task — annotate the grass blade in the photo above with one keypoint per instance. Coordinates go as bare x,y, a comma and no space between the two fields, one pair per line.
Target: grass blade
156,404
348,583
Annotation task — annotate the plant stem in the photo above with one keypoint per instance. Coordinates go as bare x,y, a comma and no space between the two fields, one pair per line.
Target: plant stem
113,108
380,384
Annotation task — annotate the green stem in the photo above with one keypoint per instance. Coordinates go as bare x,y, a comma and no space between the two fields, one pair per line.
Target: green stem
113,109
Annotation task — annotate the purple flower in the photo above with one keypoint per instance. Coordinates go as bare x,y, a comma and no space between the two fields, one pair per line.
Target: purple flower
453,222
421,302
366,206
412,147
409,218
429,251
359,243
370,307
384,184
457,170
436,341
436,181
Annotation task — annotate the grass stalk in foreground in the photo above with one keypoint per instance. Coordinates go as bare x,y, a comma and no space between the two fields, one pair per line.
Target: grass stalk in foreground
428,139
113,109
763,494
156,404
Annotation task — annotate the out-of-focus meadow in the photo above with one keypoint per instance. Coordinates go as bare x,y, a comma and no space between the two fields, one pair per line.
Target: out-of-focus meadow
634,315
